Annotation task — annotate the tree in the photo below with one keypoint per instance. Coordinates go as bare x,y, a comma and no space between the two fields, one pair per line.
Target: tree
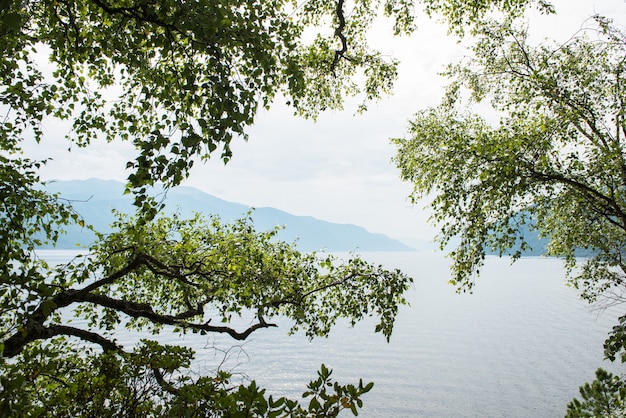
188,275
553,160
180,80
604,397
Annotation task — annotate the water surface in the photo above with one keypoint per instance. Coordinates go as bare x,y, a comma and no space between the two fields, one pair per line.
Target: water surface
519,346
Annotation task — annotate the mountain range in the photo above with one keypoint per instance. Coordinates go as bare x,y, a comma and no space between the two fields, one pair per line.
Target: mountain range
95,200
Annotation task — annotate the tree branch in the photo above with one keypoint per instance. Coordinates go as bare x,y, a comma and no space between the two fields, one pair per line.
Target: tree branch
593,196
168,387
34,328
340,53
143,310
140,13
136,12
557,94
35,331
136,261
298,301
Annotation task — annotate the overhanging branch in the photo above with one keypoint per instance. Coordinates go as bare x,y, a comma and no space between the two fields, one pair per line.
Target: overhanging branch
298,301
34,331
340,53
143,310
596,198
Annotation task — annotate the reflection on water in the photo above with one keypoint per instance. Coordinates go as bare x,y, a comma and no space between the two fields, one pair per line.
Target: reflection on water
520,346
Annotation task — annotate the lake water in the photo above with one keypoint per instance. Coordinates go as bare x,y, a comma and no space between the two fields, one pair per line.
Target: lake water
519,346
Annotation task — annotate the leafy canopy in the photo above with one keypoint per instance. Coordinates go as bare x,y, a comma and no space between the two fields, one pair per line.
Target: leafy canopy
180,80
181,276
550,157
555,156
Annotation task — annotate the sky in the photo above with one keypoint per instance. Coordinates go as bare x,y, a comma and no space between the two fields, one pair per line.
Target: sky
338,168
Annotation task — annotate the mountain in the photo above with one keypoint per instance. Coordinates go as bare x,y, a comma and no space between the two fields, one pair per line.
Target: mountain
95,200
539,245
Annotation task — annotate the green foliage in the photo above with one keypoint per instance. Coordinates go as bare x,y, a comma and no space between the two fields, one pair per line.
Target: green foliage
555,162
463,15
25,214
555,158
604,397
181,81
52,380
185,264
176,275
324,404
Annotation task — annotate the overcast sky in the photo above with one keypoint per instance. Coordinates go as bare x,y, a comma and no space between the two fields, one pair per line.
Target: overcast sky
338,168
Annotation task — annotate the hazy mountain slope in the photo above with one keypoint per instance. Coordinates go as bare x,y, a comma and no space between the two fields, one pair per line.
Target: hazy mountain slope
95,199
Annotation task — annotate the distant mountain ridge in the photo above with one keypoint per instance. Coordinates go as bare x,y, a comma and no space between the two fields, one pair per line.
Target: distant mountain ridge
94,200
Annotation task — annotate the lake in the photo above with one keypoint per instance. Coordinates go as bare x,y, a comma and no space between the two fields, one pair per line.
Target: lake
519,346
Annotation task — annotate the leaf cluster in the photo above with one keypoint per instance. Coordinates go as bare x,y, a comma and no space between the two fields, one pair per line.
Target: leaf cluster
175,275
180,80
554,160
49,379
550,156
604,397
